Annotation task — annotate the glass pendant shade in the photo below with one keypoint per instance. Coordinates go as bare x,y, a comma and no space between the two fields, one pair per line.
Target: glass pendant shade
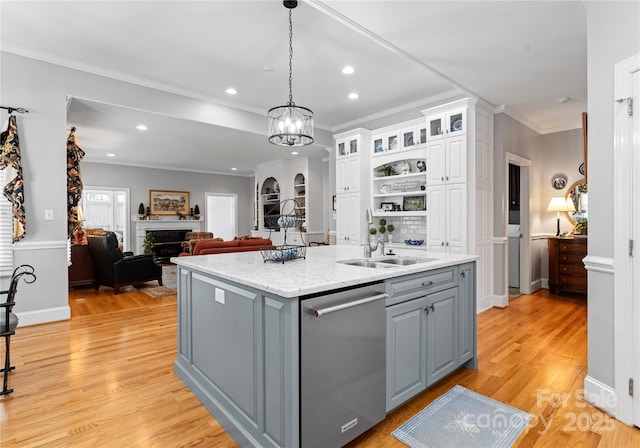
290,125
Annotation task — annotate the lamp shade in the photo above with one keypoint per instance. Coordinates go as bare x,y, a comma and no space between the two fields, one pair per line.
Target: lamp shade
81,217
561,204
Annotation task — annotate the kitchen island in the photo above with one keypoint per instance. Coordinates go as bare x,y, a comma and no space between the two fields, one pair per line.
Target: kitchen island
273,352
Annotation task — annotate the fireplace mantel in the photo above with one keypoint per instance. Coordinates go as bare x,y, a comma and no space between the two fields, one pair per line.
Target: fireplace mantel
142,225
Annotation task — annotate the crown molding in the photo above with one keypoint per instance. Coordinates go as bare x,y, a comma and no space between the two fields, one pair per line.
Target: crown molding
161,167
143,82
445,96
531,124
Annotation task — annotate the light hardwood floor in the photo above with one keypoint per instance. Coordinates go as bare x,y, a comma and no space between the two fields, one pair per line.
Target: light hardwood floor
105,378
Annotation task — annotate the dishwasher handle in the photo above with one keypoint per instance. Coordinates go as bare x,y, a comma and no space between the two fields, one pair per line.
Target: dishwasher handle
344,306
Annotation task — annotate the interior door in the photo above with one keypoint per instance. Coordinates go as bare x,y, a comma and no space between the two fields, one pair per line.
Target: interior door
222,215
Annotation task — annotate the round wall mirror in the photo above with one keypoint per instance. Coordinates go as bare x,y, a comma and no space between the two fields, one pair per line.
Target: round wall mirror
578,192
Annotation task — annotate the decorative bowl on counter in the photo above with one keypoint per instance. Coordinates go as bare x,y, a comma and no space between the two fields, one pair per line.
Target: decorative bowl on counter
412,242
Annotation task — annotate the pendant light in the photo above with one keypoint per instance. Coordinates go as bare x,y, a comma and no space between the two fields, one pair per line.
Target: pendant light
290,125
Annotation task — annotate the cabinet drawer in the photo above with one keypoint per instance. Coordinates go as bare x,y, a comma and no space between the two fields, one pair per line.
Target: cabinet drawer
571,259
578,282
573,270
573,248
416,285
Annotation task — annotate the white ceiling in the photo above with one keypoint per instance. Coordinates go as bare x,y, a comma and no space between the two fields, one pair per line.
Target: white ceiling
520,55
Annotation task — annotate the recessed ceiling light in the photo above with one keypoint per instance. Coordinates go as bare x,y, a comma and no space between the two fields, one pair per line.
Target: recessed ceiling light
294,153
353,96
110,154
234,169
231,91
563,99
348,70
141,127
268,69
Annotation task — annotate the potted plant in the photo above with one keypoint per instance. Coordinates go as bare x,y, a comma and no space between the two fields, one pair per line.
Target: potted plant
196,212
384,228
390,228
147,244
372,231
141,211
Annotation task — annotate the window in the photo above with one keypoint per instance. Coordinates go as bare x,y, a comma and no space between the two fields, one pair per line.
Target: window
107,208
6,231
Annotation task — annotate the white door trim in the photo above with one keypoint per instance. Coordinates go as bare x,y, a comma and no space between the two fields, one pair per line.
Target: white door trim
525,229
626,316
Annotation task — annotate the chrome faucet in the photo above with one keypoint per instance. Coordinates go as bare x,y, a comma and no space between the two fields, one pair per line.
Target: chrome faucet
367,244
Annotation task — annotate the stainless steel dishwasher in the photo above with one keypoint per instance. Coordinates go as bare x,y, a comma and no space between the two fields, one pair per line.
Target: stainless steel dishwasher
343,373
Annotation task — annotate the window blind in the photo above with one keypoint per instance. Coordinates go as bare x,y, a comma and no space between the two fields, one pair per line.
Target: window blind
6,231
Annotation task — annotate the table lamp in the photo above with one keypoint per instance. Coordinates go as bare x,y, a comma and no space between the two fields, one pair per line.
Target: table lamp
560,204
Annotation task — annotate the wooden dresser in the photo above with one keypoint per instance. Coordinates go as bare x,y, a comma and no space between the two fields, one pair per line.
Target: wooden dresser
81,269
566,270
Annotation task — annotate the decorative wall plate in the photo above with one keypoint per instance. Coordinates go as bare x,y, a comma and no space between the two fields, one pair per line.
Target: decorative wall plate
559,181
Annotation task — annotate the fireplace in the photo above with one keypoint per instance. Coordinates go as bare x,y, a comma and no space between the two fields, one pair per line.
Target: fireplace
167,243
144,225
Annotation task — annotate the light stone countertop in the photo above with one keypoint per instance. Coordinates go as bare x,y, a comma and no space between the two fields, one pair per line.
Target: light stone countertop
319,272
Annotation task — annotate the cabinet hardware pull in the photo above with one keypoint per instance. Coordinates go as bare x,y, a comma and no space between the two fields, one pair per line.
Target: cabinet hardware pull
344,306
463,274
429,283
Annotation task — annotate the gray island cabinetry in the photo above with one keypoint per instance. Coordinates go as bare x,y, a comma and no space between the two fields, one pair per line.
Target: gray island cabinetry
243,323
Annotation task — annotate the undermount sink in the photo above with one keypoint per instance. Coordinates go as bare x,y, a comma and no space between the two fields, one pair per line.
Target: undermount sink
365,264
387,262
403,261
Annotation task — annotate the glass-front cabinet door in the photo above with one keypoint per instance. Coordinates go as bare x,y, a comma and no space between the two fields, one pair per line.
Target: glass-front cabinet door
450,123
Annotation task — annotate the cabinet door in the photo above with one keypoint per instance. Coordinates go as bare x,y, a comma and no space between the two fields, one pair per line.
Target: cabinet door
456,159
341,176
436,218
456,122
442,334
436,162
354,146
466,313
348,218
341,148
406,351
435,127
353,174
408,138
354,222
456,222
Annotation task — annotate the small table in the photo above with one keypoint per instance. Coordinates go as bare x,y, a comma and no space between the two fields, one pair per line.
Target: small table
81,269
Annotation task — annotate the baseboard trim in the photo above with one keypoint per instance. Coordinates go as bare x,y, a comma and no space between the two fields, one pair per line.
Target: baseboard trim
500,301
44,316
538,284
484,304
600,395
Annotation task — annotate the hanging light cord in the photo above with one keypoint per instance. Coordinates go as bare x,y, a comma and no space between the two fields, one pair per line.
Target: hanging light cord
290,59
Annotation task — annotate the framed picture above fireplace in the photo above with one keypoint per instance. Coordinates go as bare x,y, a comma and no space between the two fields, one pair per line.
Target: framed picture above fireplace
163,202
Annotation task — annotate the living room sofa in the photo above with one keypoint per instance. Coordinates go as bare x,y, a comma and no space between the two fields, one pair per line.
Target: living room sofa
222,247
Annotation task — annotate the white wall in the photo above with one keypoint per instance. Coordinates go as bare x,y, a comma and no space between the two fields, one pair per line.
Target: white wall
613,35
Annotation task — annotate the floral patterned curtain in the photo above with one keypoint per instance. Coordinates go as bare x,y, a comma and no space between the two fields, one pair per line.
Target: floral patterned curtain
74,182
14,191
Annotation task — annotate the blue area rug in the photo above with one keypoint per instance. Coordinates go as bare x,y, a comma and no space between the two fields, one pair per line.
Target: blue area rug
463,418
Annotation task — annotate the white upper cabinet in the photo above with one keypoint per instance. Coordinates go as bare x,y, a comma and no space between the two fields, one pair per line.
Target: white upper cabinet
447,124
